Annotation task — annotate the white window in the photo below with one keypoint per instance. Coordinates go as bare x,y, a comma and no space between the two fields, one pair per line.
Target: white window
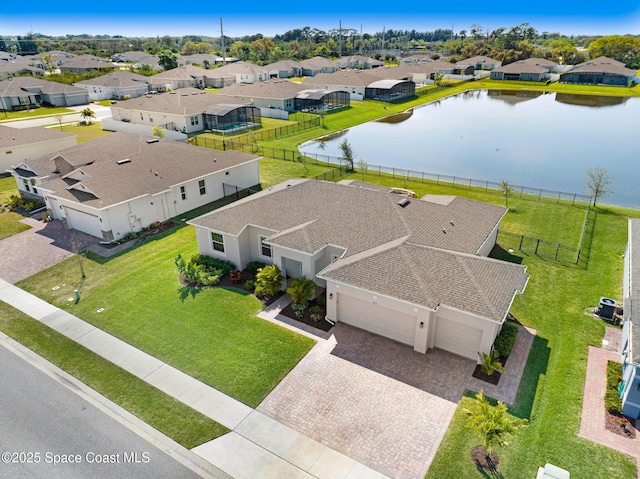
217,242
26,184
265,249
194,120
203,189
183,192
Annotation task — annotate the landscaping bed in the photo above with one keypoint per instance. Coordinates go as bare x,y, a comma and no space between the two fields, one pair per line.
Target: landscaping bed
307,319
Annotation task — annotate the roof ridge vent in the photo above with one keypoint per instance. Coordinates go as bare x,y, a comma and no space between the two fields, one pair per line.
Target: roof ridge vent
122,162
404,202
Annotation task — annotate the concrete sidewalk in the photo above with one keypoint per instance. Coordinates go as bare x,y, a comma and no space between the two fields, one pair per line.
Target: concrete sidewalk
258,446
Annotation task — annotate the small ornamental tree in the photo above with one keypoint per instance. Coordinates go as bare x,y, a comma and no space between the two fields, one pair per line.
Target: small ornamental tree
490,363
493,423
87,114
507,189
598,183
347,153
268,280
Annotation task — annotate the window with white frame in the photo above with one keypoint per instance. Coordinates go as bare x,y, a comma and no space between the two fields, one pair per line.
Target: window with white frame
26,184
202,187
183,192
217,242
265,248
194,120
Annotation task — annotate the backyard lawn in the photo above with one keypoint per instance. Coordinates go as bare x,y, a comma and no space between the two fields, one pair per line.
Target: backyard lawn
211,334
9,222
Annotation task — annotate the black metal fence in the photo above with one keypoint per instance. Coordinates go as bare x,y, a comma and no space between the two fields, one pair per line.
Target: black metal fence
234,193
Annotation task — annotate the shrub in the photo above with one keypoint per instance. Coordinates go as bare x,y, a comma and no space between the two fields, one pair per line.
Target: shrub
614,374
254,266
301,290
315,313
213,265
299,309
236,276
321,300
269,280
17,202
250,285
490,363
612,401
505,340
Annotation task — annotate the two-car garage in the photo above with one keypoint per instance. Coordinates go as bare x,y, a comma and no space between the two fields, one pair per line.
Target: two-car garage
449,330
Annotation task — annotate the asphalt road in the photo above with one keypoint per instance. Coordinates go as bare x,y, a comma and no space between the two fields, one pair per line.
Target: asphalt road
48,431
99,110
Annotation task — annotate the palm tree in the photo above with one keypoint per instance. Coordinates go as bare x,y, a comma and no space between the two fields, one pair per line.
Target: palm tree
87,114
493,423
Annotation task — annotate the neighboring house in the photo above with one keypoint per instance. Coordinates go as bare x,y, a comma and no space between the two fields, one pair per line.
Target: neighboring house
312,66
28,92
123,182
57,56
85,63
359,62
285,96
238,72
630,388
18,67
520,70
413,270
362,85
600,71
130,57
188,110
186,76
119,85
549,65
19,144
480,63
202,59
284,69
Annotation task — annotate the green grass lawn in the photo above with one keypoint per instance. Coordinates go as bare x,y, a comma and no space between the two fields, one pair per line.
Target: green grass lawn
28,114
10,224
8,187
166,414
210,334
86,132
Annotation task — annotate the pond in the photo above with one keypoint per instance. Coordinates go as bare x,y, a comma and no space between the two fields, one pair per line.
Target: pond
535,139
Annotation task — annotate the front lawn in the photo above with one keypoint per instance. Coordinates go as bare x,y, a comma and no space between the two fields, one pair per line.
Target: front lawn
166,414
10,224
29,114
210,334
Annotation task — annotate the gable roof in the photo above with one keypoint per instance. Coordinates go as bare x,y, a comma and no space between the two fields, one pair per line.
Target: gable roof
86,62
283,65
318,62
354,78
25,86
154,165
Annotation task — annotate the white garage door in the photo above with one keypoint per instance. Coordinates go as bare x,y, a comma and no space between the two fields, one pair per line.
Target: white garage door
84,222
458,338
378,320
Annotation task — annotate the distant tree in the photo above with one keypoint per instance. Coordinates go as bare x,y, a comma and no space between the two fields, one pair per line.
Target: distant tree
206,64
623,48
48,63
167,59
598,183
87,114
347,153
507,189
158,131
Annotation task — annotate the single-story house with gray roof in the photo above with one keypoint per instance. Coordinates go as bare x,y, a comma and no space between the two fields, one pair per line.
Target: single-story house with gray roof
630,386
28,92
520,71
600,71
413,270
284,69
19,144
358,84
480,62
119,85
313,66
123,182
85,63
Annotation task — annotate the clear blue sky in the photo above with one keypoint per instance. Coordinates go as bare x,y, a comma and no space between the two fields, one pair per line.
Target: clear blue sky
140,18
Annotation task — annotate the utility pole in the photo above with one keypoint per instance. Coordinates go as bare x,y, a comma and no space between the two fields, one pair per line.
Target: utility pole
382,42
340,40
361,39
224,55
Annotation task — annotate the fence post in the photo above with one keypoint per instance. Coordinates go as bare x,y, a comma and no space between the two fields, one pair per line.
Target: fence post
521,240
469,183
537,245
540,194
559,193
393,172
486,188
521,189
454,182
574,200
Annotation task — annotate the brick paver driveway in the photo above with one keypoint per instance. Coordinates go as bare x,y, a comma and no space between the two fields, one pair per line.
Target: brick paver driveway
379,401
33,250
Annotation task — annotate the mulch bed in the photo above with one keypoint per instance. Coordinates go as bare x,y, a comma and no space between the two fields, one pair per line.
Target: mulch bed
613,423
306,319
225,282
482,460
143,235
494,379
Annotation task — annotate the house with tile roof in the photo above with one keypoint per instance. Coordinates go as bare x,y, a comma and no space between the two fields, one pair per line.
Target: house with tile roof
119,85
19,144
123,182
28,92
413,270
187,110
600,71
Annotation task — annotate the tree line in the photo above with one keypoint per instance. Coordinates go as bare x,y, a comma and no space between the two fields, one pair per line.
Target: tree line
504,44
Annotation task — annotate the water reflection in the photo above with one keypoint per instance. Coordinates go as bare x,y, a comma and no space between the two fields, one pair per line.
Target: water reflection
513,97
590,100
398,117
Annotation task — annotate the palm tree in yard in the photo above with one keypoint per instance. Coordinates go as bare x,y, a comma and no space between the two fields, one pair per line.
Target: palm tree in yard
87,114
